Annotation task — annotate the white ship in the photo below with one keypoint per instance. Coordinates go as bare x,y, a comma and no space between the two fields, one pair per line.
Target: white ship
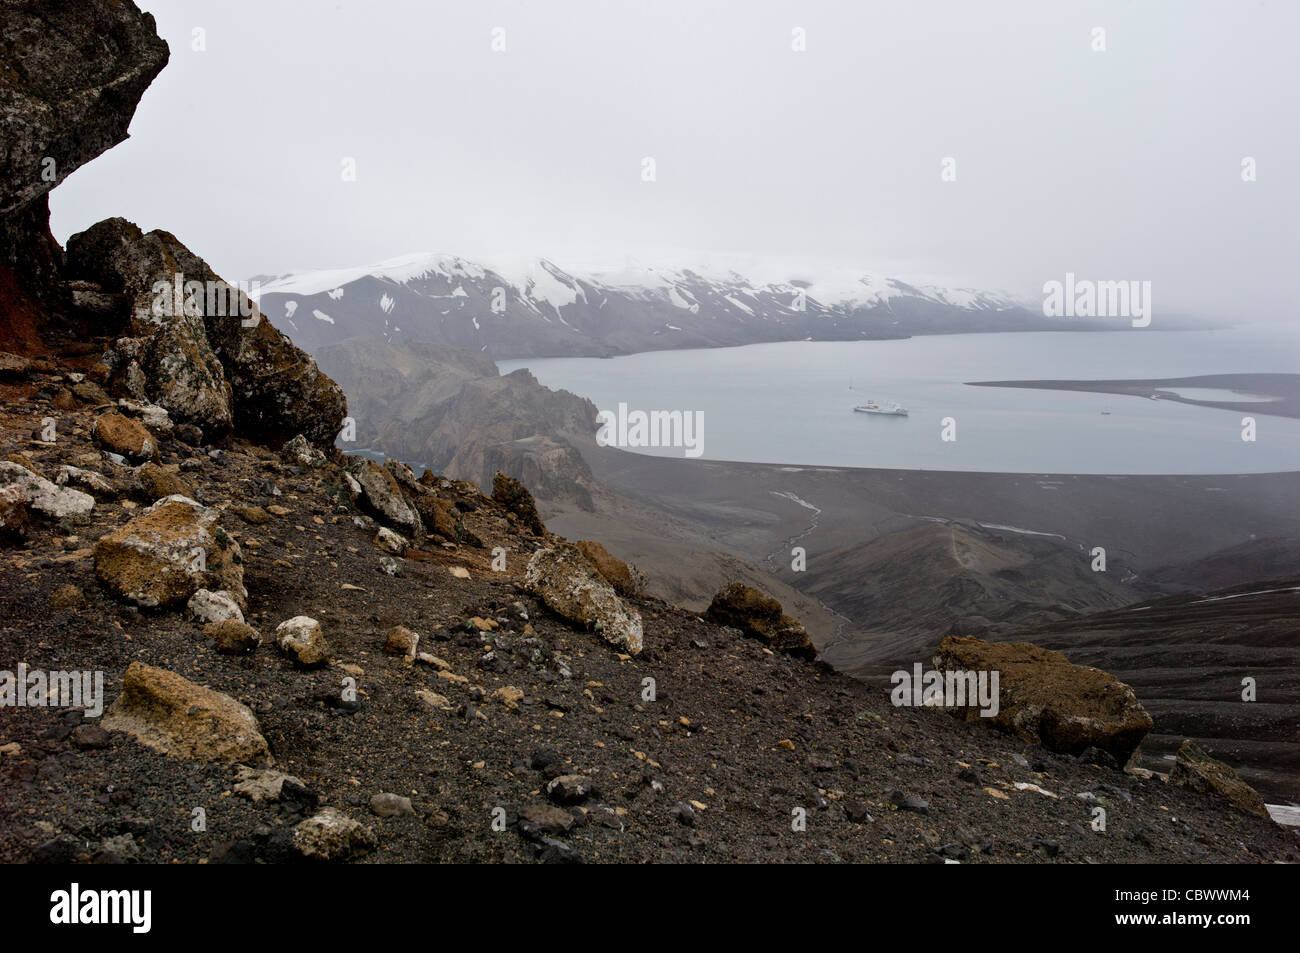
890,408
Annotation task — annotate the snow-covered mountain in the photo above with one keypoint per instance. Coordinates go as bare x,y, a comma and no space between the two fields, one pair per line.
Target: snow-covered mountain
532,307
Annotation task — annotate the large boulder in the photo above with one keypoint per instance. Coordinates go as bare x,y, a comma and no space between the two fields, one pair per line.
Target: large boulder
198,344
1195,769
384,498
563,579
72,75
171,714
1046,699
169,552
761,617
514,496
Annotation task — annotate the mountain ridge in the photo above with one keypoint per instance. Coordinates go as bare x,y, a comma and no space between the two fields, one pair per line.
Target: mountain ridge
532,307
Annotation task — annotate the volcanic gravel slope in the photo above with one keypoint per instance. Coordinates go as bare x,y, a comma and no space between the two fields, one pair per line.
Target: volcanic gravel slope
716,768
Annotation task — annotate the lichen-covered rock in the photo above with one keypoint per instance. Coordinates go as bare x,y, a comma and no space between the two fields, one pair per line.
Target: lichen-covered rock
514,496
13,515
1047,700
171,714
208,606
563,579
299,451
126,437
383,497
169,552
332,835
391,542
302,639
60,102
1196,770
223,364
760,616
37,493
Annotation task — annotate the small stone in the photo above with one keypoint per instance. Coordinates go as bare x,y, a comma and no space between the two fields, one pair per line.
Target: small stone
157,482
857,812
391,542
89,737
233,637
67,596
301,638
331,835
391,805
401,641
907,802
432,699
570,789
544,819
509,696
253,515
261,784
208,606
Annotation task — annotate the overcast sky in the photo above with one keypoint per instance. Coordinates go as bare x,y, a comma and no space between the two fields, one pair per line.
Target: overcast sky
1123,164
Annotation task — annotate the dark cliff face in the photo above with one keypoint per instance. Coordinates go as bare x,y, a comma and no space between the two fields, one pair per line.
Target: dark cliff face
71,76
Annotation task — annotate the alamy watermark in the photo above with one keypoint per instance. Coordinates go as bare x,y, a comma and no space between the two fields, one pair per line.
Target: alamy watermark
1084,298
76,906
213,299
34,688
655,428
957,688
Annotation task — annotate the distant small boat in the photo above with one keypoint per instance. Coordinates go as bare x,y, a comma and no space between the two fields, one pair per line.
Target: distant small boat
890,408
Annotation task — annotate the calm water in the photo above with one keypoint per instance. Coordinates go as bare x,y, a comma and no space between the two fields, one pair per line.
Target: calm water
792,403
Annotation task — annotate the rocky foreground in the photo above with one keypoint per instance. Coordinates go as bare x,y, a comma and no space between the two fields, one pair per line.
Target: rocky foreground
308,657
390,696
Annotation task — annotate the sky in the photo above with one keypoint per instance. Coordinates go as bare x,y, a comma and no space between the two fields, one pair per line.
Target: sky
1122,163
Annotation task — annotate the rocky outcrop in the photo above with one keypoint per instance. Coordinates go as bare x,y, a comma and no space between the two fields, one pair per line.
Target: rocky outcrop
514,496
171,714
563,579
1195,769
451,410
1047,700
72,76
760,616
164,556
198,346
